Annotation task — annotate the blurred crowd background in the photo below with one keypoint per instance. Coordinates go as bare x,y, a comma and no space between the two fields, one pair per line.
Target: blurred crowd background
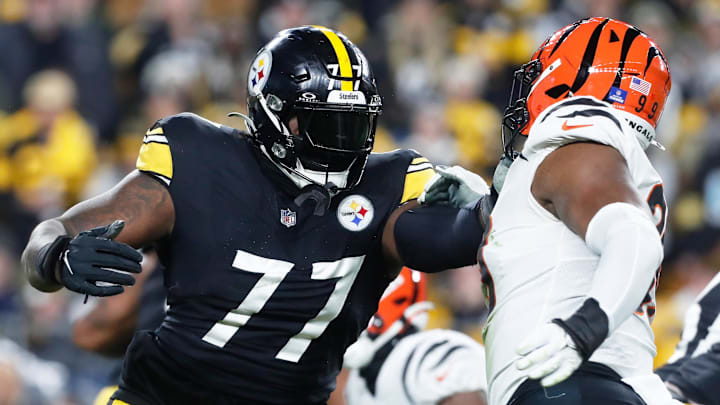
81,80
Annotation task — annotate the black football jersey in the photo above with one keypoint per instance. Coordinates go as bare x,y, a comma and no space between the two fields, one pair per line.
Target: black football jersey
263,296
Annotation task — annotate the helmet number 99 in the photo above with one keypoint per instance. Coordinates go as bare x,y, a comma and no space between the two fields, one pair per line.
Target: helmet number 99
642,101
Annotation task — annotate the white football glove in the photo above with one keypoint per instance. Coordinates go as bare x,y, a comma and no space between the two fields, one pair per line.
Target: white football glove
548,354
455,186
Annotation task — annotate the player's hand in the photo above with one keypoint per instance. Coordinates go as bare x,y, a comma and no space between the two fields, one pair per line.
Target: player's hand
548,355
455,186
94,264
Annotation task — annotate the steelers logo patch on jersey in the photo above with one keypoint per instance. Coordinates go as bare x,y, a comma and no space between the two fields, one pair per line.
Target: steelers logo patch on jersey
355,212
259,72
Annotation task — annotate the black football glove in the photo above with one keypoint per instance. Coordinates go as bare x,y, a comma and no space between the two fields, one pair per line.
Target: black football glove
93,263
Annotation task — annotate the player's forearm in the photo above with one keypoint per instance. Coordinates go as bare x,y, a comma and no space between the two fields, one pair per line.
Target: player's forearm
630,252
42,236
436,238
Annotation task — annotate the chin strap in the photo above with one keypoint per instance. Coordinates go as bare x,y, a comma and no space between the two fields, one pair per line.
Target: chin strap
249,124
657,145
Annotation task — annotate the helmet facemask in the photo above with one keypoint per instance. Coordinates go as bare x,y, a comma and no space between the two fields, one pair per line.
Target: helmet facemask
320,144
516,115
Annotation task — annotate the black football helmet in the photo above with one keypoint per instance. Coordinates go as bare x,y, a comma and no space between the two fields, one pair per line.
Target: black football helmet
313,106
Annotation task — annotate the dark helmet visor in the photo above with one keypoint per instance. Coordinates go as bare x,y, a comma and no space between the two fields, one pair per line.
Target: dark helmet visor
340,131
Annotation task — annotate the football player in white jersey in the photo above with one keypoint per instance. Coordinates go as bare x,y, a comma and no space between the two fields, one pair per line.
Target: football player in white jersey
395,362
571,260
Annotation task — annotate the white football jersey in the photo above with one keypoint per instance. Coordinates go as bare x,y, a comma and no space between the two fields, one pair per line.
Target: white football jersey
537,269
422,369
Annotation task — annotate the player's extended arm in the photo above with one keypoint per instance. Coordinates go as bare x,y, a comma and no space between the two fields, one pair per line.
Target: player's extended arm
433,238
588,186
108,328
61,252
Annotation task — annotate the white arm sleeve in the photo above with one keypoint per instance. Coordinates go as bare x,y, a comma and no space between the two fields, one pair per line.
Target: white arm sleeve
630,252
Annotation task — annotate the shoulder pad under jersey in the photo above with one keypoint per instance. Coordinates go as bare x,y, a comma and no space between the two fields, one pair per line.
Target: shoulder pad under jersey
579,119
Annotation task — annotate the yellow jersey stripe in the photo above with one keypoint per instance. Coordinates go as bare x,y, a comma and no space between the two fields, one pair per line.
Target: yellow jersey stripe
155,131
419,167
118,402
342,57
419,160
415,184
156,158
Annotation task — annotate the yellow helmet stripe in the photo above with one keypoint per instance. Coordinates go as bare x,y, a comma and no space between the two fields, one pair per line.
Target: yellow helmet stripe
342,57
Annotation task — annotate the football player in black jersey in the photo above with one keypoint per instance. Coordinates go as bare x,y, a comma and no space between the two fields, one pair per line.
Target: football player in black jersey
277,243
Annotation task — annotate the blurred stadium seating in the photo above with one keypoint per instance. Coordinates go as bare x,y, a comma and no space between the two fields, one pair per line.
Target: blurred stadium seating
81,80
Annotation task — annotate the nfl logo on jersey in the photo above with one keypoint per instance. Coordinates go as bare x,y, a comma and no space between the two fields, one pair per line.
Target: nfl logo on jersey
288,218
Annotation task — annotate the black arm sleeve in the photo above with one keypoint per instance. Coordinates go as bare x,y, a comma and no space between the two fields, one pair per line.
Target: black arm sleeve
436,238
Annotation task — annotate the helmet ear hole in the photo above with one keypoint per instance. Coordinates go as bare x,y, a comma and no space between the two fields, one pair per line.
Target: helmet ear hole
274,103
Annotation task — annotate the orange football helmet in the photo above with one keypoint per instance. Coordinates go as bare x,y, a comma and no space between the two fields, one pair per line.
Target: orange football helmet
600,57
408,288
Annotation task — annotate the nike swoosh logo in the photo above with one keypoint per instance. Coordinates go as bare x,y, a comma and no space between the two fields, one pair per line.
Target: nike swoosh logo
567,127
442,376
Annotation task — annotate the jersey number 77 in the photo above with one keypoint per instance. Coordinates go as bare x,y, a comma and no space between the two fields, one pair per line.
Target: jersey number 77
273,272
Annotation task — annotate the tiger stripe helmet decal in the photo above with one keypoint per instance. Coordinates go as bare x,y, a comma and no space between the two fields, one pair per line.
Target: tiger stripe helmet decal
607,59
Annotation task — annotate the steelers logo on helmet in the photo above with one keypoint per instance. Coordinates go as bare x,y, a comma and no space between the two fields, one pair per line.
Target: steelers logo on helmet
259,72
355,212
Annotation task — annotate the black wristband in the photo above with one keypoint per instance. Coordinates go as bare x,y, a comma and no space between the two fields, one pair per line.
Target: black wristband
50,256
588,327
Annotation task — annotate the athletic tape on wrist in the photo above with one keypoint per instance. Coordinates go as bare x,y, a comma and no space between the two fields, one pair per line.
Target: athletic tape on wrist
50,256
